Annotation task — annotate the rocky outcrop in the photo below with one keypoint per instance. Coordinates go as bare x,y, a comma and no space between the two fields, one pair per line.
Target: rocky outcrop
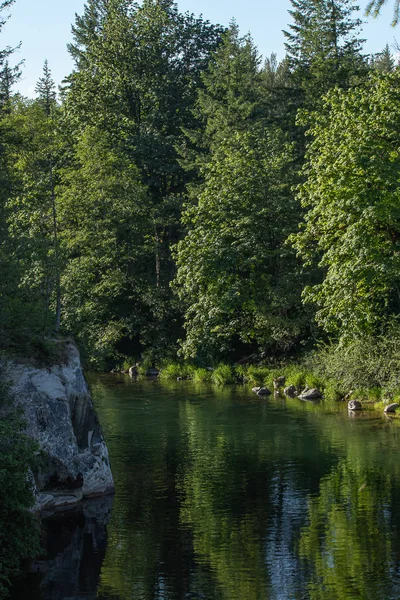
59,414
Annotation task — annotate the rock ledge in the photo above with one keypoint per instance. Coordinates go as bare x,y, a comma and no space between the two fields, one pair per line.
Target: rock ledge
59,413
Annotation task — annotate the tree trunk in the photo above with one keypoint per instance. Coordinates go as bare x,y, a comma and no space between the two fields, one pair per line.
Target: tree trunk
56,253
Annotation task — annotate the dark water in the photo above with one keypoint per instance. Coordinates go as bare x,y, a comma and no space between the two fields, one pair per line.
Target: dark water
222,495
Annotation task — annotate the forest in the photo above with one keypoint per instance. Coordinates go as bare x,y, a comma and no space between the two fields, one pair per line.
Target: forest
180,198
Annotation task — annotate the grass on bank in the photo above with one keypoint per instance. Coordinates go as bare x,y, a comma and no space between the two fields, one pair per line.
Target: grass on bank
368,366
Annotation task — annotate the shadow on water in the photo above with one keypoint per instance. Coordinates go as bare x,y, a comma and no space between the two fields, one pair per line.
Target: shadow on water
74,544
222,495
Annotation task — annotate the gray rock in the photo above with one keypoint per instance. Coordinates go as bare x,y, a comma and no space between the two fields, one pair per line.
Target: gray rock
354,405
264,392
290,391
279,382
152,372
313,394
391,408
59,414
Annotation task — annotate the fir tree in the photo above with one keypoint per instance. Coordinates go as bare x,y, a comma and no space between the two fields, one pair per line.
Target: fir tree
46,90
323,46
374,8
383,61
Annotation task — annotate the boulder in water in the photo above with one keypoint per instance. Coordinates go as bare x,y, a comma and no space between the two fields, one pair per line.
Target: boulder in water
391,408
354,405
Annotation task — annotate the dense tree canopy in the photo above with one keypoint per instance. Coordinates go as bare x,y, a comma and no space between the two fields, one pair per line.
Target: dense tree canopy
154,201
351,191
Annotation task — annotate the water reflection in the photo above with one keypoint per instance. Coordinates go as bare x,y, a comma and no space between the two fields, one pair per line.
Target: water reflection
221,495
74,544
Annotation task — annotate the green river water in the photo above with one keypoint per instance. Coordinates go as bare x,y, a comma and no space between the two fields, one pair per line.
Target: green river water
222,495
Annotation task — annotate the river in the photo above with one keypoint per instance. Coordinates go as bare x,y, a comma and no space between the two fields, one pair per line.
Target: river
223,495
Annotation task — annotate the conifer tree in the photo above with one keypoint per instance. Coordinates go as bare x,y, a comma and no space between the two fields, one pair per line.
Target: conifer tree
374,8
232,272
323,46
383,61
46,90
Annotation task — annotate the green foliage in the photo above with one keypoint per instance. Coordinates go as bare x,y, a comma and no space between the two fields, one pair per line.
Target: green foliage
362,363
234,278
202,375
323,48
222,375
104,224
351,193
172,371
19,530
256,375
374,8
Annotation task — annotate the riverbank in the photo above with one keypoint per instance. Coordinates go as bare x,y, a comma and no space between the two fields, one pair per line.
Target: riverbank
291,379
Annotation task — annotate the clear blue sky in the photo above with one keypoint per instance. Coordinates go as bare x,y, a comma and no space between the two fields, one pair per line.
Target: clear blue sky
44,28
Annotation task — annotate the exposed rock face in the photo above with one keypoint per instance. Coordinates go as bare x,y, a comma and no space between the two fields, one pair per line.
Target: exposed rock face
152,372
59,414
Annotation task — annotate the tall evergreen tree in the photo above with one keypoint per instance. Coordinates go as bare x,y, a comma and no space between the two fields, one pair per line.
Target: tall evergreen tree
46,90
323,46
383,61
238,286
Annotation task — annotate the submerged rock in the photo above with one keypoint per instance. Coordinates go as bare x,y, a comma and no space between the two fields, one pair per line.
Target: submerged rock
59,415
391,408
354,405
313,394
290,391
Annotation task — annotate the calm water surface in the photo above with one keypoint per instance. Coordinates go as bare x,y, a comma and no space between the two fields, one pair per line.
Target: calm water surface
222,495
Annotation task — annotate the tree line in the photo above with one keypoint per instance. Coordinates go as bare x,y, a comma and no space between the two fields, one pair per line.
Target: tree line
180,195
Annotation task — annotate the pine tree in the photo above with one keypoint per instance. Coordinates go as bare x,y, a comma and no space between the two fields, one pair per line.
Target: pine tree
232,272
8,77
374,8
383,61
323,46
46,90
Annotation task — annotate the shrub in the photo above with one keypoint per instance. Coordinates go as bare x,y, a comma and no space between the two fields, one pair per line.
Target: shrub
257,375
223,375
202,376
174,370
16,497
